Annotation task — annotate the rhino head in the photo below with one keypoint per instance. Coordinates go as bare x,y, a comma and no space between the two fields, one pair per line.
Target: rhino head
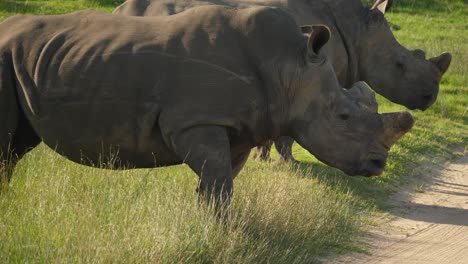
341,127
385,64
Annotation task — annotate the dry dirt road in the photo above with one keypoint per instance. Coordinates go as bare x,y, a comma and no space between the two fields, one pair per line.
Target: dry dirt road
428,223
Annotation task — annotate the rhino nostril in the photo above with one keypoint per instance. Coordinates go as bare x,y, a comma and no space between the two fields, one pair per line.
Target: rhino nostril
376,166
378,163
427,100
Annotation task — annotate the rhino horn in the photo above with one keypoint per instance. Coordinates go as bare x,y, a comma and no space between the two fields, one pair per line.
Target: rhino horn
364,96
442,62
395,126
382,5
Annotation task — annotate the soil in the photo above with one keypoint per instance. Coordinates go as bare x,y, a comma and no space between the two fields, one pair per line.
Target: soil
428,222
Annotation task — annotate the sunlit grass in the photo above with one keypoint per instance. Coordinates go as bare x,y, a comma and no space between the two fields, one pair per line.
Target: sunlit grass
59,211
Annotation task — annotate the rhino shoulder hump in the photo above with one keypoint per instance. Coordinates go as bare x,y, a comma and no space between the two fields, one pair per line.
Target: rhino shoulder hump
268,17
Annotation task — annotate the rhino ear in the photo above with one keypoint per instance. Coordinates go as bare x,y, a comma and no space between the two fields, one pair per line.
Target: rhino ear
382,5
319,36
306,30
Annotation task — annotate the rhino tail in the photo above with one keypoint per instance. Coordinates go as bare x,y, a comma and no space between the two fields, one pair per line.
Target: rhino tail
8,108
7,89
17,136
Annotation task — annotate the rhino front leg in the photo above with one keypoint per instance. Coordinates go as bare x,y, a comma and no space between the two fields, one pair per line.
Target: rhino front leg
238,162
207,152
284,147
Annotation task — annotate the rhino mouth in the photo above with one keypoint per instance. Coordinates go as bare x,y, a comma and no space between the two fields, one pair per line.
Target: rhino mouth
428,100
425,102
373,165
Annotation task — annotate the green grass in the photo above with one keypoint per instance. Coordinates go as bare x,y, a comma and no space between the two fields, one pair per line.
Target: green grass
49,7
57,211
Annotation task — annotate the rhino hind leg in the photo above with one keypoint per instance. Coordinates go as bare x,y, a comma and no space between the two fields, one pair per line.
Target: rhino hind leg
263,152
284,147
238,162
16,134
15,145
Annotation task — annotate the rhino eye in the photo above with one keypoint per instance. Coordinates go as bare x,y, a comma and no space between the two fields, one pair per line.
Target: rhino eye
343,116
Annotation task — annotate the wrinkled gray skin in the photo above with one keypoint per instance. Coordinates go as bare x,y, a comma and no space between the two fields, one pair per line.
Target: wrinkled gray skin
362,48
201,87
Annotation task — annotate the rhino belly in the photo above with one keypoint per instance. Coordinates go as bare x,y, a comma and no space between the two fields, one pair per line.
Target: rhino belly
110,133
103,108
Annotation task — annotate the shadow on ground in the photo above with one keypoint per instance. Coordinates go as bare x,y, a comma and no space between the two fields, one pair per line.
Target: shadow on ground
435,214
443,201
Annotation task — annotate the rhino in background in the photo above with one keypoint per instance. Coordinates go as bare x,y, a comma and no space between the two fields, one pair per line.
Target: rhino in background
201,87
362,48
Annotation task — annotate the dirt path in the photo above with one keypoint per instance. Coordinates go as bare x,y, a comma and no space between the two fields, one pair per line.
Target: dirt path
428,223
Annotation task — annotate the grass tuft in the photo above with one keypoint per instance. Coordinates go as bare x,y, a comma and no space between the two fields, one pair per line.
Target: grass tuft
60,211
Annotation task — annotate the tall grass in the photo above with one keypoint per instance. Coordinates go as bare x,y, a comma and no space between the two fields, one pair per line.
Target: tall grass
59,211
54,210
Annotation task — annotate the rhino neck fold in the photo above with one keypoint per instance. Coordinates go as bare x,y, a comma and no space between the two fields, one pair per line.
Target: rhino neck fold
278,90
352,73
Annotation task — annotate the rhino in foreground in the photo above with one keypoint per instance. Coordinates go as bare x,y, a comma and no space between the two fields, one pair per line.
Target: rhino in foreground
362,48
201,87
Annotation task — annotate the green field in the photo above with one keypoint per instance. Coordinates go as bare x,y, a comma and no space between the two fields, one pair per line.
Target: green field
57,211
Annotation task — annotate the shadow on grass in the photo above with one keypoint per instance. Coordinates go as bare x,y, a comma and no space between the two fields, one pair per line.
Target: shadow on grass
403,168
372,192
295,247
368,189
108,3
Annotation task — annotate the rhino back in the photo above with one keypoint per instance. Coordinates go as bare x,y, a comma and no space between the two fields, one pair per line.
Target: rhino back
171,7
304,11
128,82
